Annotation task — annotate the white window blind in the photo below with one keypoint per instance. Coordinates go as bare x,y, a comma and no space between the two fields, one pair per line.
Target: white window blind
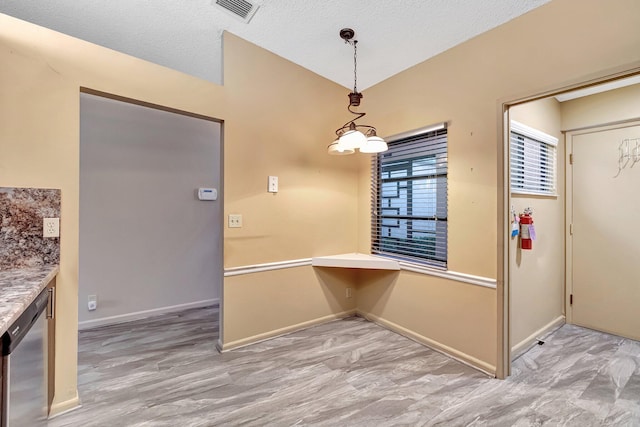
409,199
533,160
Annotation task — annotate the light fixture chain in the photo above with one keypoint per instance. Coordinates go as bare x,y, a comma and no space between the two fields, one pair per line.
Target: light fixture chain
355,66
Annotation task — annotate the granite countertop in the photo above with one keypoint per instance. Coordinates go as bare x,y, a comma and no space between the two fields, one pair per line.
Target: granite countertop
18,288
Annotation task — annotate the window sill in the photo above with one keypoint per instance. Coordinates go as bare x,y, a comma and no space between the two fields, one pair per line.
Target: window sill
355,260
533,193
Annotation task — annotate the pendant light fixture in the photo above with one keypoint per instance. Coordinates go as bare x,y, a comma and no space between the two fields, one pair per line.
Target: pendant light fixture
352,136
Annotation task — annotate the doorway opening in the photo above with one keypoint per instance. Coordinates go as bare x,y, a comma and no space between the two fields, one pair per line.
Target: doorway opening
147,244
540,282
603,243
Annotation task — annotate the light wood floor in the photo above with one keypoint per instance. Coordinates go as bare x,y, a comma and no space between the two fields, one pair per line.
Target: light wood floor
165,371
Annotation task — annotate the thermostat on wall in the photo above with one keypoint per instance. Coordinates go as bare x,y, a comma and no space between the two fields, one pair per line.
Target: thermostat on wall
207,194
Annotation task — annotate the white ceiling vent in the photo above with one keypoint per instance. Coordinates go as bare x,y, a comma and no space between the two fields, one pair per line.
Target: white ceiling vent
241,9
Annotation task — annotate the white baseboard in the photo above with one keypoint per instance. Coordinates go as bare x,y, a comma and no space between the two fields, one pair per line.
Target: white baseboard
524,345
137,315
432,344
223,347
59,408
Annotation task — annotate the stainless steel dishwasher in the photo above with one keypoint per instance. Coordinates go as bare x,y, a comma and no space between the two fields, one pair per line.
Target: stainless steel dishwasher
24,350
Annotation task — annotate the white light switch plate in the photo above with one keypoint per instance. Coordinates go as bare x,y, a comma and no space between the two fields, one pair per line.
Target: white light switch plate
50,227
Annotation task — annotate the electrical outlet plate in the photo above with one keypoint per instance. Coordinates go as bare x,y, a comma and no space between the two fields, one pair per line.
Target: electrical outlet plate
348,292
92,302
273,184
235,221
51,227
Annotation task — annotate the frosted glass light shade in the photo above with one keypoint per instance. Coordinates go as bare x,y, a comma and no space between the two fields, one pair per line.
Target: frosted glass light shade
352,139
374,144
336,149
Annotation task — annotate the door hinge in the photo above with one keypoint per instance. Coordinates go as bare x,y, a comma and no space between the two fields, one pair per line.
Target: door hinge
571,158
571,229
571,299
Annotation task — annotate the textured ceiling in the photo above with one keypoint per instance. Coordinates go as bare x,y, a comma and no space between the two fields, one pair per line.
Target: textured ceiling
186,35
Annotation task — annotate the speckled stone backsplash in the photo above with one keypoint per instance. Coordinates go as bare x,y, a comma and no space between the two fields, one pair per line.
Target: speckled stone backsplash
21,214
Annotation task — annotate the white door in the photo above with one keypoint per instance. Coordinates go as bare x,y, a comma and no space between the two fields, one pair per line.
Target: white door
606,233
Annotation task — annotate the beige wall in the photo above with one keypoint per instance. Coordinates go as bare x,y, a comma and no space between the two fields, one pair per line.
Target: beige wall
537,275
275,302
280,120
465,86
364,202
602,108
450,316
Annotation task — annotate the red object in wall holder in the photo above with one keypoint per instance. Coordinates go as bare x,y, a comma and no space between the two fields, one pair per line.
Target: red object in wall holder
525,236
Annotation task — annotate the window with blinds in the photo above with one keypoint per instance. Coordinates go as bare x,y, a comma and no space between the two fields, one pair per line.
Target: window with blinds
409,199
532,160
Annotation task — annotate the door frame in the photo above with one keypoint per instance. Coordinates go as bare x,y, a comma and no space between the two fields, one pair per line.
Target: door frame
503,359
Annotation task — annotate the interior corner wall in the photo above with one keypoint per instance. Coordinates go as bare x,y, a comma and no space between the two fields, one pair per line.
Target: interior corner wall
272,303
40,79
280,121
282,118
465,86
147,244
537,275
453,317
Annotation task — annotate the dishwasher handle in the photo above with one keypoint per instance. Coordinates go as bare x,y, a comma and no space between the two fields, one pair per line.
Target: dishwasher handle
51,305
